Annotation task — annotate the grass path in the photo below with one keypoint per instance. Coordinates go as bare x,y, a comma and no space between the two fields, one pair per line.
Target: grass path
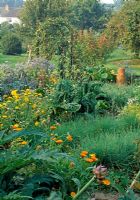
12,60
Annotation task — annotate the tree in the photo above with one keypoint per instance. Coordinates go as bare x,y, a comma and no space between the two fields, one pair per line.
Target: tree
53,37
11,45
89,14
37,11
124,27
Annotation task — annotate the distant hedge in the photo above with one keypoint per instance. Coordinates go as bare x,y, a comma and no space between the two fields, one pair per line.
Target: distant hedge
11,45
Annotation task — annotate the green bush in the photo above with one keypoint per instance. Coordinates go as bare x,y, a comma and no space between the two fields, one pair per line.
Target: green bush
112,139
11,45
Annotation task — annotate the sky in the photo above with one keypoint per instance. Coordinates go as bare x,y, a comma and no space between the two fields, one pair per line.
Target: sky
107,1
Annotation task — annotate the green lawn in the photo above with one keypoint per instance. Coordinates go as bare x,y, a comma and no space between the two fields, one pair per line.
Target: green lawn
123,58
9,59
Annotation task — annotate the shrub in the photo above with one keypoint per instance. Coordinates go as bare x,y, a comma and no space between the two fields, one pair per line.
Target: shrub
132,109
11,45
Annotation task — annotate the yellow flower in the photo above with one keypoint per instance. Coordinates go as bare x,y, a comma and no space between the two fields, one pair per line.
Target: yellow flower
17,107
18,129
14,93
69,138
23,143
106,182
72,194
4,116
83,154
36,123
59,141
27,92
26,99
34,106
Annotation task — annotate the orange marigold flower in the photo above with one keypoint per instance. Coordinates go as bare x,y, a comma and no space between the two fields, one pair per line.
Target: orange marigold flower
106,182
15,126
83,154
69,138
89,160
72,194
23,143
52,128
18,129
59,141
93,157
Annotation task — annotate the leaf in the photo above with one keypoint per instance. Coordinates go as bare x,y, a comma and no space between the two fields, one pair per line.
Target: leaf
14,135
55,195
77,182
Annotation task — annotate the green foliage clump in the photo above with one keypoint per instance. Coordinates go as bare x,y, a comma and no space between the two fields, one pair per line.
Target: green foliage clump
132,109
11,45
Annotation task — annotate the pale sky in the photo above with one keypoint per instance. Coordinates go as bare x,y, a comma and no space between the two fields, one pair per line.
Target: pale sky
107,1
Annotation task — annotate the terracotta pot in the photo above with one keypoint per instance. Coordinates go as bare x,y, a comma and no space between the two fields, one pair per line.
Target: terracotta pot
121,78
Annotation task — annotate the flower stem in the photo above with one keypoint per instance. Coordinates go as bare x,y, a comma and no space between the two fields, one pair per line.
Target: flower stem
84,188
134,181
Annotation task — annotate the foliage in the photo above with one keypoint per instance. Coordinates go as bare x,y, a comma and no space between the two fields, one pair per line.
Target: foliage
35,156
36,72
14,177
11,45
129,196
132,109
52,37
89,14
33,13
123,27
120,96
98,132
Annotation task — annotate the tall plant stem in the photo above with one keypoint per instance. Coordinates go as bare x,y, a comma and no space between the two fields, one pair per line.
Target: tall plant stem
134,181
84,188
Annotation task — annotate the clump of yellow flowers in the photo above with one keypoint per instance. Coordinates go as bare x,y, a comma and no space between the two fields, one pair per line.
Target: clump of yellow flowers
21,109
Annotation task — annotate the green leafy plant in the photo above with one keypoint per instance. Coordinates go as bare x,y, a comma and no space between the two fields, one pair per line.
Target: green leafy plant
11,45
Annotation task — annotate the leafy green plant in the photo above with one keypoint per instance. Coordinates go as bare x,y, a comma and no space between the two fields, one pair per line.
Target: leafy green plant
14,160
11,45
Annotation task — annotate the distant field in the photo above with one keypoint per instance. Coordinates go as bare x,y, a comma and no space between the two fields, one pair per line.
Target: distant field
122,58
8,59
